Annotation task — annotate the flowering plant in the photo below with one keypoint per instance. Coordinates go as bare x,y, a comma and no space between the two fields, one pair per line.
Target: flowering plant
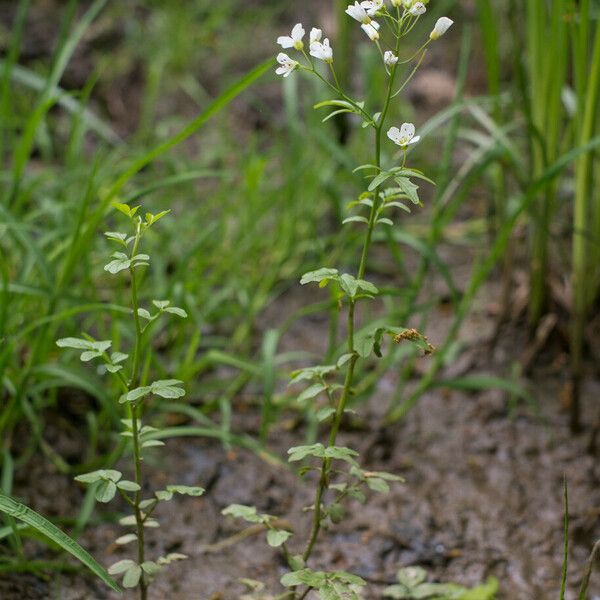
390,187
137,572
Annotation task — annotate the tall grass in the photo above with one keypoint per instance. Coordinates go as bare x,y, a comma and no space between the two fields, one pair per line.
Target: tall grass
586,218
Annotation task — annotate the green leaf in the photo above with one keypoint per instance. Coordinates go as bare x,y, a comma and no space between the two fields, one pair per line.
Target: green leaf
100,475
116,236
341,111
91,348
170,558
151,219
301,452
396,204
186,490
277,537
324,413
144,314
45,527
89,477
342,360
128,486
337,583
118,357
355,219
366,167
311,373
150,568
311,392
336,513
340,103
379,180
151,523
409,188
174,310
349,284
405,172
76,343
296,562
163,495
126,539
135,394
411,576
318,276
341,453
367,286
248,513
378,485
117,265
125,209
308,577
318,450
132,576
106,491
120,567
168,388
152,444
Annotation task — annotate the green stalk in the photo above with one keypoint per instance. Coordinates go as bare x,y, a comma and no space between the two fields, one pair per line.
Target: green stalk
341,406
584,287
135,414
547,45
588,572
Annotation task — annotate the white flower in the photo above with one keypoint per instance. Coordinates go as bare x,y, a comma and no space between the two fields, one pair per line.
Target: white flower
287,64
372,6
417,9
405,136
371,29
315,35
322,51
389,58
358,13
293,41
442,25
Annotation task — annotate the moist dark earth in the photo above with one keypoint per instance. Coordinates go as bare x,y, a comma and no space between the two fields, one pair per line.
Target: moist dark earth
483,495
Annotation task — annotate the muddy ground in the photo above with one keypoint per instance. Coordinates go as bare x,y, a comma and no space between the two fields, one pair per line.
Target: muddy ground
483,493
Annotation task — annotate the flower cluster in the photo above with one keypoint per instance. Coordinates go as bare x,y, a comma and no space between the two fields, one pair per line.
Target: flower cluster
406,14
363,12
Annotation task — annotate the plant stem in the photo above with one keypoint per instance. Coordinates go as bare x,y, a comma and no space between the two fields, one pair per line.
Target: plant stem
588,572
341,406
583,285
135,420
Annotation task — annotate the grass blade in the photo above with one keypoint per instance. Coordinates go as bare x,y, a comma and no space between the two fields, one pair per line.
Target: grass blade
24,513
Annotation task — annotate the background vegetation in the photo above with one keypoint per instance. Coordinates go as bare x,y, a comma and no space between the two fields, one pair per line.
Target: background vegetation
171,104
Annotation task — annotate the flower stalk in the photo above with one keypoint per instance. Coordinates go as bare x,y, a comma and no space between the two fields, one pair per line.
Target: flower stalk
388,189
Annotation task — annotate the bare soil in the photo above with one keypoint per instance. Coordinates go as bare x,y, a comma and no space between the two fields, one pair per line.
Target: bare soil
483,495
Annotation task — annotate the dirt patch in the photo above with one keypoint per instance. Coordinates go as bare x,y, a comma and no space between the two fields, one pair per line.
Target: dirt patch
483,497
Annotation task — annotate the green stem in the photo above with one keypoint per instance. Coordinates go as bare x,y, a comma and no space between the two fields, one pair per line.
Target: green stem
584,286
341,406
588,572
135,417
